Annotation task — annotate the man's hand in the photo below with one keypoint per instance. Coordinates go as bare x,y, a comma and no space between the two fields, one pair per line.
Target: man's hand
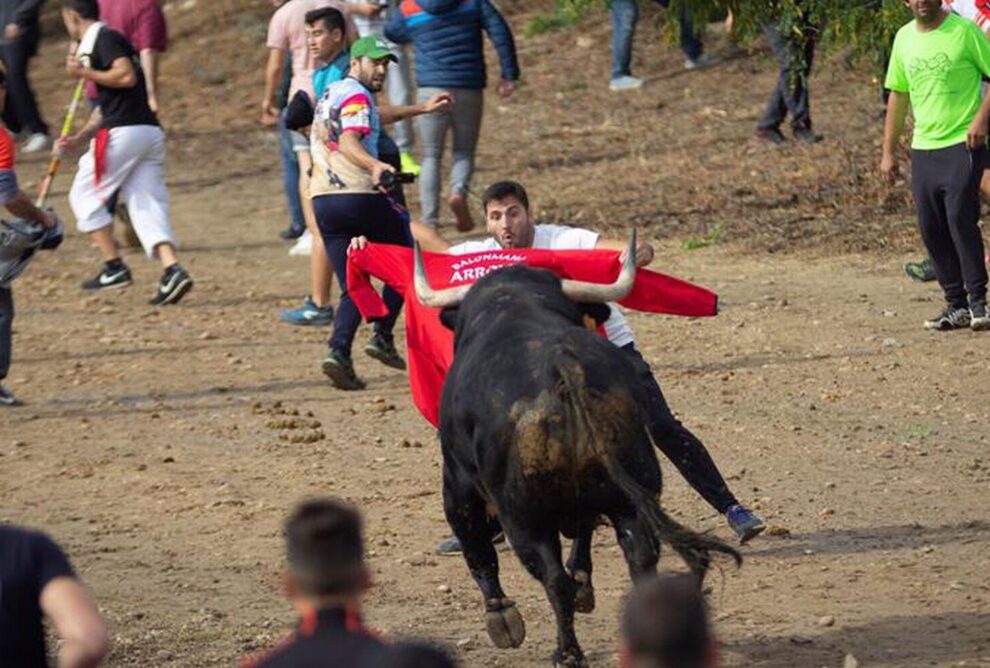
153,103
74,67
70,143
438,103
11,31
48,218
377,170
976,136
269,114
888,168
358,243
505,88
644,254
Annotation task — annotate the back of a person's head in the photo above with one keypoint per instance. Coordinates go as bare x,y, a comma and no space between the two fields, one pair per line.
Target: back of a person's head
325,548
415,655
87,9
665,624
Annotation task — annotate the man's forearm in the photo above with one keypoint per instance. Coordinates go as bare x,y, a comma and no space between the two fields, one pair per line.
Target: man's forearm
393,114
893,126
149,65
273,73
21,206
354,151
429,239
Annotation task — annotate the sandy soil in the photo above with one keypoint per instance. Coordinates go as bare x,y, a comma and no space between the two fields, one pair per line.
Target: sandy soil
155,443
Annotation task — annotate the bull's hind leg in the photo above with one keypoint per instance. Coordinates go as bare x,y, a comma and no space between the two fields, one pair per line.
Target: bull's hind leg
639,546
467,516
539,552
579,566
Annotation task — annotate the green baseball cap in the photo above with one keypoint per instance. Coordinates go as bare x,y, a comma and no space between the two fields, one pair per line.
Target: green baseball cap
372,47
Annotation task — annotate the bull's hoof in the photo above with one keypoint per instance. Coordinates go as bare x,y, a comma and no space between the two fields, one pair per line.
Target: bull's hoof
584,596
573,658
504,623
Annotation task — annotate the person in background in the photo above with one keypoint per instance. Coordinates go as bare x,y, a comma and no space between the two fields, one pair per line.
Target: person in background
447,44
370,18
625,15
21,34
36,581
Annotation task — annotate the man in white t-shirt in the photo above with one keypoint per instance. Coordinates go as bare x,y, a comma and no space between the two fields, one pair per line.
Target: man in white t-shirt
510,224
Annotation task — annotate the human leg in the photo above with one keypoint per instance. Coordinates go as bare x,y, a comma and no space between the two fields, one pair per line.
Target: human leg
398,90
624,14
962,206
17,53
776,108
6,329
466,117
432,135
290,181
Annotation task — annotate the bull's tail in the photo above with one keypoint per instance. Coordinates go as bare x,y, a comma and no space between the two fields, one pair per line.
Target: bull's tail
598,433
693,547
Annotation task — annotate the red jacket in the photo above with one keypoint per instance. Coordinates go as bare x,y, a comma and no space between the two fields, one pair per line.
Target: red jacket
430,345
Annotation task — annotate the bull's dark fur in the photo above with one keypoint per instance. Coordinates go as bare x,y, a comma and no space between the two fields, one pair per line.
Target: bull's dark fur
541,423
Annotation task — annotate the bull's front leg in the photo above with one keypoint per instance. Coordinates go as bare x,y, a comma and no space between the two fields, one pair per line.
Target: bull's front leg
579,566
467,515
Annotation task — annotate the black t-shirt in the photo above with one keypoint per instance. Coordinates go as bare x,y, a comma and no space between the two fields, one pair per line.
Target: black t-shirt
330,638
28,562
120,106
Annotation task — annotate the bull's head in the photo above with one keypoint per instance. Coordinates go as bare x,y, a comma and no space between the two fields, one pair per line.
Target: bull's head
577,291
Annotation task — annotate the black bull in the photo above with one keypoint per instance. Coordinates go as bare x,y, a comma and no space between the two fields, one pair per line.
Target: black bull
542,424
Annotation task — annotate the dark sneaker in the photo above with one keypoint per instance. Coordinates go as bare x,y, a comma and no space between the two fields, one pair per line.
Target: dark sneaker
922,272
340,370
951,317
175,283
291,233
979,319
451,546
772,135
109,278
462,212
8,399
309,314
745,523
807,136
381,346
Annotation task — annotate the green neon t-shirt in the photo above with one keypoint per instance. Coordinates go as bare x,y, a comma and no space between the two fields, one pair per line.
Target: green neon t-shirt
940,70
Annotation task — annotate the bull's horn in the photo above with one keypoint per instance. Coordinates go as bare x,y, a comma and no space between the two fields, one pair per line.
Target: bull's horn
581,291
426,294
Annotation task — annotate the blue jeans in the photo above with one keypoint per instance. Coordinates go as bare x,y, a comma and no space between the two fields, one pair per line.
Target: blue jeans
340,219
290,175
625,14
790,95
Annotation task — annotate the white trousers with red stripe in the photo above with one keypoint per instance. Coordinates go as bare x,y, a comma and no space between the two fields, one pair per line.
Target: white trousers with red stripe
134,164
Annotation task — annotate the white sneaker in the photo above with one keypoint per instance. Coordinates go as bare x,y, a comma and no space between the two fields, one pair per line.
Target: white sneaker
625,82
38,141
704,60
303,245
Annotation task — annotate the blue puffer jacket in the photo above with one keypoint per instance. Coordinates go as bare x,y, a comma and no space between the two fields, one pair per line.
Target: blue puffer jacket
446,39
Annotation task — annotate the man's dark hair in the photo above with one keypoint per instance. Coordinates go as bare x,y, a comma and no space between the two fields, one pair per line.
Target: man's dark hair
665,623
332,18
501,190
88,9
325,547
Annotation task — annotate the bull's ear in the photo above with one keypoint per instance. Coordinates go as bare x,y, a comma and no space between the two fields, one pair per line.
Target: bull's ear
448,317
597,312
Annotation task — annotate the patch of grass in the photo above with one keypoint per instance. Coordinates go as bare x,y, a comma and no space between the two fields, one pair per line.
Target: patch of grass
710,239
915,432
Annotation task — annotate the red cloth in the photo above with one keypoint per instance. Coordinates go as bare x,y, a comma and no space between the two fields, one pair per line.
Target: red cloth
101,141
430,345
142,22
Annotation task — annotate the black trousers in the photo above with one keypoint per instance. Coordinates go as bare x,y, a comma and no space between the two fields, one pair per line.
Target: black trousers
679,445
21,112
6,320
946,185
340,219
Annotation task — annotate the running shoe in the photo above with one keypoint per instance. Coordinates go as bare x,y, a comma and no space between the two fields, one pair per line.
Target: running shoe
381,346
303,245
408,164
36,143
745,523
702,61
291,233
922,272
8,399
979,319
309,314
175,283
807,136
339,368
772,135
109,278
951,317
625,82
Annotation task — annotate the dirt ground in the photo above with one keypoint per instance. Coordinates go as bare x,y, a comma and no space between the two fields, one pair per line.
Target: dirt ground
158,445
